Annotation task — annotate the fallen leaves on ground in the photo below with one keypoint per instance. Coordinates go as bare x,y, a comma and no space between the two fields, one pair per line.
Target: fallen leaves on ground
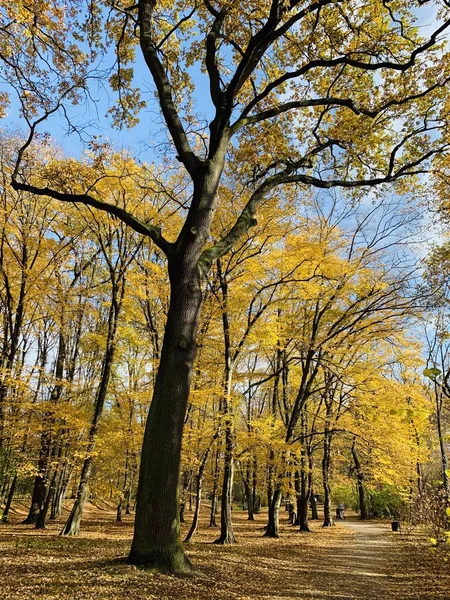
332,563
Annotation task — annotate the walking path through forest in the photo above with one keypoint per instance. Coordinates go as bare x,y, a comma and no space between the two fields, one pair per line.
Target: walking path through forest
354,560
361,568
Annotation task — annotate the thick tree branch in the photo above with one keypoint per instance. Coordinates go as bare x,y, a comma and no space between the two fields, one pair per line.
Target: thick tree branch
264,38
242,225
170,113
154,233
210,59
247,217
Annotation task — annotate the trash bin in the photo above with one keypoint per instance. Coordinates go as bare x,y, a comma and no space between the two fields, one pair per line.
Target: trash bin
395,525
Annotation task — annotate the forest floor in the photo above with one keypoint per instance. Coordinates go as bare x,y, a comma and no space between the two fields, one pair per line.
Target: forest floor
352,560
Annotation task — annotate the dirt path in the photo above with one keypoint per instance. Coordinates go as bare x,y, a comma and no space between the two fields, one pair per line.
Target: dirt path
362,567
356,561
374,564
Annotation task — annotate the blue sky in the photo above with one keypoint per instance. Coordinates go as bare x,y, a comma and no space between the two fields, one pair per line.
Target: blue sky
146,140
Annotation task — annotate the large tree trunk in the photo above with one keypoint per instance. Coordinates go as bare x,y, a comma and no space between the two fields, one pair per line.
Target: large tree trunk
156,542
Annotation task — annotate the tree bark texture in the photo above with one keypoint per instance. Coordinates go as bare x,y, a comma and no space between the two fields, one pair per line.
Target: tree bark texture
156,542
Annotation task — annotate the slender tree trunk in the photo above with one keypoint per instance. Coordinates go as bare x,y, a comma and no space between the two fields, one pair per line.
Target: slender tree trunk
199,482
54,505
125,498
72,527
273,524
327,516
249,494
303,504
314,511
9,500
212,517
226,518
298,499
5,483
187,476
274,410
39,488
128,492
326,458
303,478
270,478
198,500
12,344
42,517
312,496
255,504
360,483
444,459
58,497
273,498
